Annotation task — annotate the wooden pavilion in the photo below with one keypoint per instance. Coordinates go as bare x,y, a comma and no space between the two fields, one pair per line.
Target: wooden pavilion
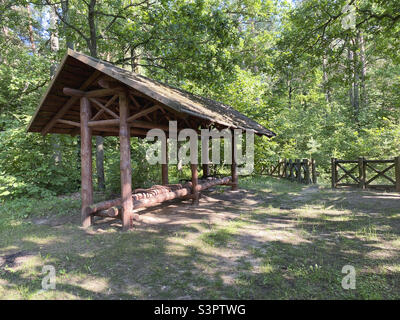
90,97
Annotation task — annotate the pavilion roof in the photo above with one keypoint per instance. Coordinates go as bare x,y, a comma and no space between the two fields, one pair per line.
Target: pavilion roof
57,111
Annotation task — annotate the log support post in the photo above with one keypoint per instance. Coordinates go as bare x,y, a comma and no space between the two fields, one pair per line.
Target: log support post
206,170
164,166
195,184
205,156
397,172
234,172
125,163
86,164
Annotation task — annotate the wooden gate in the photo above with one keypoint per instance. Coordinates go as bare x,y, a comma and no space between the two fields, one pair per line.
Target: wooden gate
362,173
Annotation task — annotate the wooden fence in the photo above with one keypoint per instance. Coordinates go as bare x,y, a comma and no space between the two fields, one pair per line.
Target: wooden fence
362,173
302,171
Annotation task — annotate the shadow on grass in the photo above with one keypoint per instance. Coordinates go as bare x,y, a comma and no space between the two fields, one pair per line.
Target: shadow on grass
211,252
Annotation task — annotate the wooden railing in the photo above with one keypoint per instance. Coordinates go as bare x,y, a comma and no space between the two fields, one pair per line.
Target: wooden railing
362,173
302,171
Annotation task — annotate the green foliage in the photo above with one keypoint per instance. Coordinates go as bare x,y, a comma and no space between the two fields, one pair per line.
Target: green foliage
288,65
28,169
47,206
143,174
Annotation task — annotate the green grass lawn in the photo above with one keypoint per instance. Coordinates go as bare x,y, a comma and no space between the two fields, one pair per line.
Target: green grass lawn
271,240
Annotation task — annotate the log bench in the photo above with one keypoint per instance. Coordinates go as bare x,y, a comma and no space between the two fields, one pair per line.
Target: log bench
155,195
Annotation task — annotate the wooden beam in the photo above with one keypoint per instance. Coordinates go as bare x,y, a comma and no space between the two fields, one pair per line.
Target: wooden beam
136,123
107,82
165,113
133,131
71,123
125,163
102,107
69,103
109,103
134,101
143,113
102,123
148,125
73,92
103,92
86,164
91,94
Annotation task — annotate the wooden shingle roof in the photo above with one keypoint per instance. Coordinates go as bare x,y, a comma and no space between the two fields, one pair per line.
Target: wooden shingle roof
80,71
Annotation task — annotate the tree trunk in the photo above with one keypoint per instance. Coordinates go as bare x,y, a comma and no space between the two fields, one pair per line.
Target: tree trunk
92,29
54,42
54,47
99,139
30,30
351,76
356,89
100,162
65,12
290,90
325,79
134,61
363,95
70,45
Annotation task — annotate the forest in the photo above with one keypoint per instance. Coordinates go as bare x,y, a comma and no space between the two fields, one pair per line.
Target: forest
324,75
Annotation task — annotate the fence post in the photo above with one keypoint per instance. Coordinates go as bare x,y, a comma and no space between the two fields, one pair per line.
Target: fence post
279,167
306,171
314,171
397,172
333,175
284,169
362,171
298,165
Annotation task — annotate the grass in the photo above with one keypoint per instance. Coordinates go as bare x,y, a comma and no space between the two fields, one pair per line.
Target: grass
272,240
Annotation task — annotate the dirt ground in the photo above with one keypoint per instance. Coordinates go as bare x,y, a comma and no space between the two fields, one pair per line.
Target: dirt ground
271,239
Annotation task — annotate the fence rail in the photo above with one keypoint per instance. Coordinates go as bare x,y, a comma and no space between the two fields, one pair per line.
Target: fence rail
302,171
362,173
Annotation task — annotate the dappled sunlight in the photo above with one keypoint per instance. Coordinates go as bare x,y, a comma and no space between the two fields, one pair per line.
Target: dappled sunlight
87,254
6,249
44,240
88,283
389,196
382,254
392,268
225,247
